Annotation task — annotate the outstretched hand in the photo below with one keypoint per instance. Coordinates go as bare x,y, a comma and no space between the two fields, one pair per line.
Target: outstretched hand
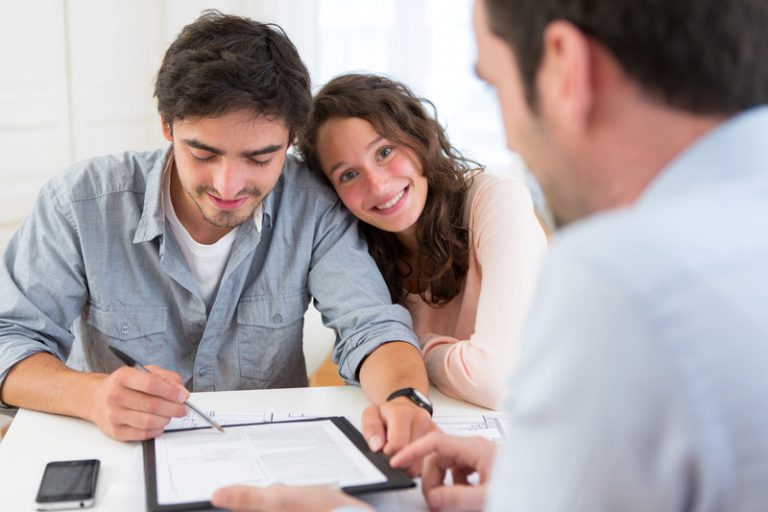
437,453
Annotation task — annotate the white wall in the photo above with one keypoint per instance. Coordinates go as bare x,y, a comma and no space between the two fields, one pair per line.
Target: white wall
76,76
34,104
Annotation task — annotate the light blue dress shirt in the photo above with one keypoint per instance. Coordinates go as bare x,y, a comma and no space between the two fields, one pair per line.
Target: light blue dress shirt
643,382
93,266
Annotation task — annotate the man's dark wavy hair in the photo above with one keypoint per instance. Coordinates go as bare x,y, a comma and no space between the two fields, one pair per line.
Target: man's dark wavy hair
402,117
706,57
221,63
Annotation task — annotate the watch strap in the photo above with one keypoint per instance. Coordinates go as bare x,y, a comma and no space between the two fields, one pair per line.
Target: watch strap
415,396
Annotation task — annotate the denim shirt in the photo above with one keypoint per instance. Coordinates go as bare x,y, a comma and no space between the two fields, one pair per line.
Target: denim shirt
92,266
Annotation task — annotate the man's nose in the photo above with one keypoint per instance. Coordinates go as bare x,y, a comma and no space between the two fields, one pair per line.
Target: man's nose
229,179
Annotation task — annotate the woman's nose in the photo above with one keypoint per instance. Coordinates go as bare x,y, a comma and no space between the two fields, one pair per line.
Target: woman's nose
378,181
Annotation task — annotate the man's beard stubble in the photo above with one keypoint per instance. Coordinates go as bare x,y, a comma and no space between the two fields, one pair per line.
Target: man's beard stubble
224,219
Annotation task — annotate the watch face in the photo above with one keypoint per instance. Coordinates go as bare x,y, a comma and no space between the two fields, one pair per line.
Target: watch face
421,396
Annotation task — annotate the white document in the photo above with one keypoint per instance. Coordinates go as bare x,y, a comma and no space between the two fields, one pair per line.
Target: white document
191,465
488,425
192,420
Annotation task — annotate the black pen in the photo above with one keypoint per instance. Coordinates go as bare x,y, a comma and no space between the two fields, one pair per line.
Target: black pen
128,360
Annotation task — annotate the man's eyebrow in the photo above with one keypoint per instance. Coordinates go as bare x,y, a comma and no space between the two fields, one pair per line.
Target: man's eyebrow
199,145
263,151
255,152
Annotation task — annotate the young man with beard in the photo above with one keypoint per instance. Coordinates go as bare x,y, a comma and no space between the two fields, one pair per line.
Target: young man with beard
200,259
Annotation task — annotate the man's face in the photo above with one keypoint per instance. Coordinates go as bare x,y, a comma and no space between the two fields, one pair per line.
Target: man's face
225,166
527,133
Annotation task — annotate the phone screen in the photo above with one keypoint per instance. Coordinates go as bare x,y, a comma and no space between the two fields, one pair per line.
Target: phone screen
68,480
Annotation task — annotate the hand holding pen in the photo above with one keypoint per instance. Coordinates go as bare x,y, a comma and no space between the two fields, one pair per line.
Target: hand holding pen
131,405
129,361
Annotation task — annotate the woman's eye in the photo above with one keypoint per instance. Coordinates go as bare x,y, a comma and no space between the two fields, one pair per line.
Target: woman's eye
385,152
347,175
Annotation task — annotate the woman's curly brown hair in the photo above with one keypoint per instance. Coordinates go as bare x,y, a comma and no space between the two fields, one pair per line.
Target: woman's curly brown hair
400,116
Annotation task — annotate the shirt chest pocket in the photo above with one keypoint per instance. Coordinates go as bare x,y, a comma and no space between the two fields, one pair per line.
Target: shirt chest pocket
269,338
138,331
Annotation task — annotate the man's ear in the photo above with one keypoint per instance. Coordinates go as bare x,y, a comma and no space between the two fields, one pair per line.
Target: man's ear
565,78
167,130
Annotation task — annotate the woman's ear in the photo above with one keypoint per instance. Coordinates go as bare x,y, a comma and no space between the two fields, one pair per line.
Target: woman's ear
565,78
167,129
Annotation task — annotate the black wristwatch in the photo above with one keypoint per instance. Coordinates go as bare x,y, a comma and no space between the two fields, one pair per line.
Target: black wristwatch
415,396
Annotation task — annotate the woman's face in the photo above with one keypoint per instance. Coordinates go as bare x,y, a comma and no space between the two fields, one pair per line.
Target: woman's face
379,181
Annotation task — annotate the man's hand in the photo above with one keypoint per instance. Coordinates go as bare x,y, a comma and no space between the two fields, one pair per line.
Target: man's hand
392,425
132,405
281,497
463,456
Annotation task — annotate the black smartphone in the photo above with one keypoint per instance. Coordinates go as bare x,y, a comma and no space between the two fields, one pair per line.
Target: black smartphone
68,484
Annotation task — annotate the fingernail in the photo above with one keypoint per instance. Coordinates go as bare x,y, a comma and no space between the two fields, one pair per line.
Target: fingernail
375,443
182,396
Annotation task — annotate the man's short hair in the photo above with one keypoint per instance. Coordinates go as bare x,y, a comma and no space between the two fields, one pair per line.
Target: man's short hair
222,63
703,56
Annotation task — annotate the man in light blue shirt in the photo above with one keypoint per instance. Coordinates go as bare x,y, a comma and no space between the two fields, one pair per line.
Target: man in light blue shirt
642,381
200,259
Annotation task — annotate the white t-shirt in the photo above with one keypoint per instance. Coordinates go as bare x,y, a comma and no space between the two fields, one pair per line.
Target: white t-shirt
206,262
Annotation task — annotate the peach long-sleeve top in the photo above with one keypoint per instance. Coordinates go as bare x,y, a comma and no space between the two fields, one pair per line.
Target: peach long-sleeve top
470,343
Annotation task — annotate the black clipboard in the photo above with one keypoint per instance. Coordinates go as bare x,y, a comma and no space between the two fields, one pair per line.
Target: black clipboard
396,479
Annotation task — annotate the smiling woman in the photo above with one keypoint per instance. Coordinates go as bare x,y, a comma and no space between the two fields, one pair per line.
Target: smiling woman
382,185
459,248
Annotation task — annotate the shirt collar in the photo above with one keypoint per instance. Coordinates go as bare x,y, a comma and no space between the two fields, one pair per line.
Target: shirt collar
152,222
733,150
270,203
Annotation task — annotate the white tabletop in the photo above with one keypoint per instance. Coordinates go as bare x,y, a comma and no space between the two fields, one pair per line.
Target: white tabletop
35,439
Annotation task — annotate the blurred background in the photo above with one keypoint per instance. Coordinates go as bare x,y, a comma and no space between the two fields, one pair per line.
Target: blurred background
76,76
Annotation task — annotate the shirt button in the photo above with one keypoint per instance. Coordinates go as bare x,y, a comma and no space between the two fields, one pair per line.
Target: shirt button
277,318
124,329
202,372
